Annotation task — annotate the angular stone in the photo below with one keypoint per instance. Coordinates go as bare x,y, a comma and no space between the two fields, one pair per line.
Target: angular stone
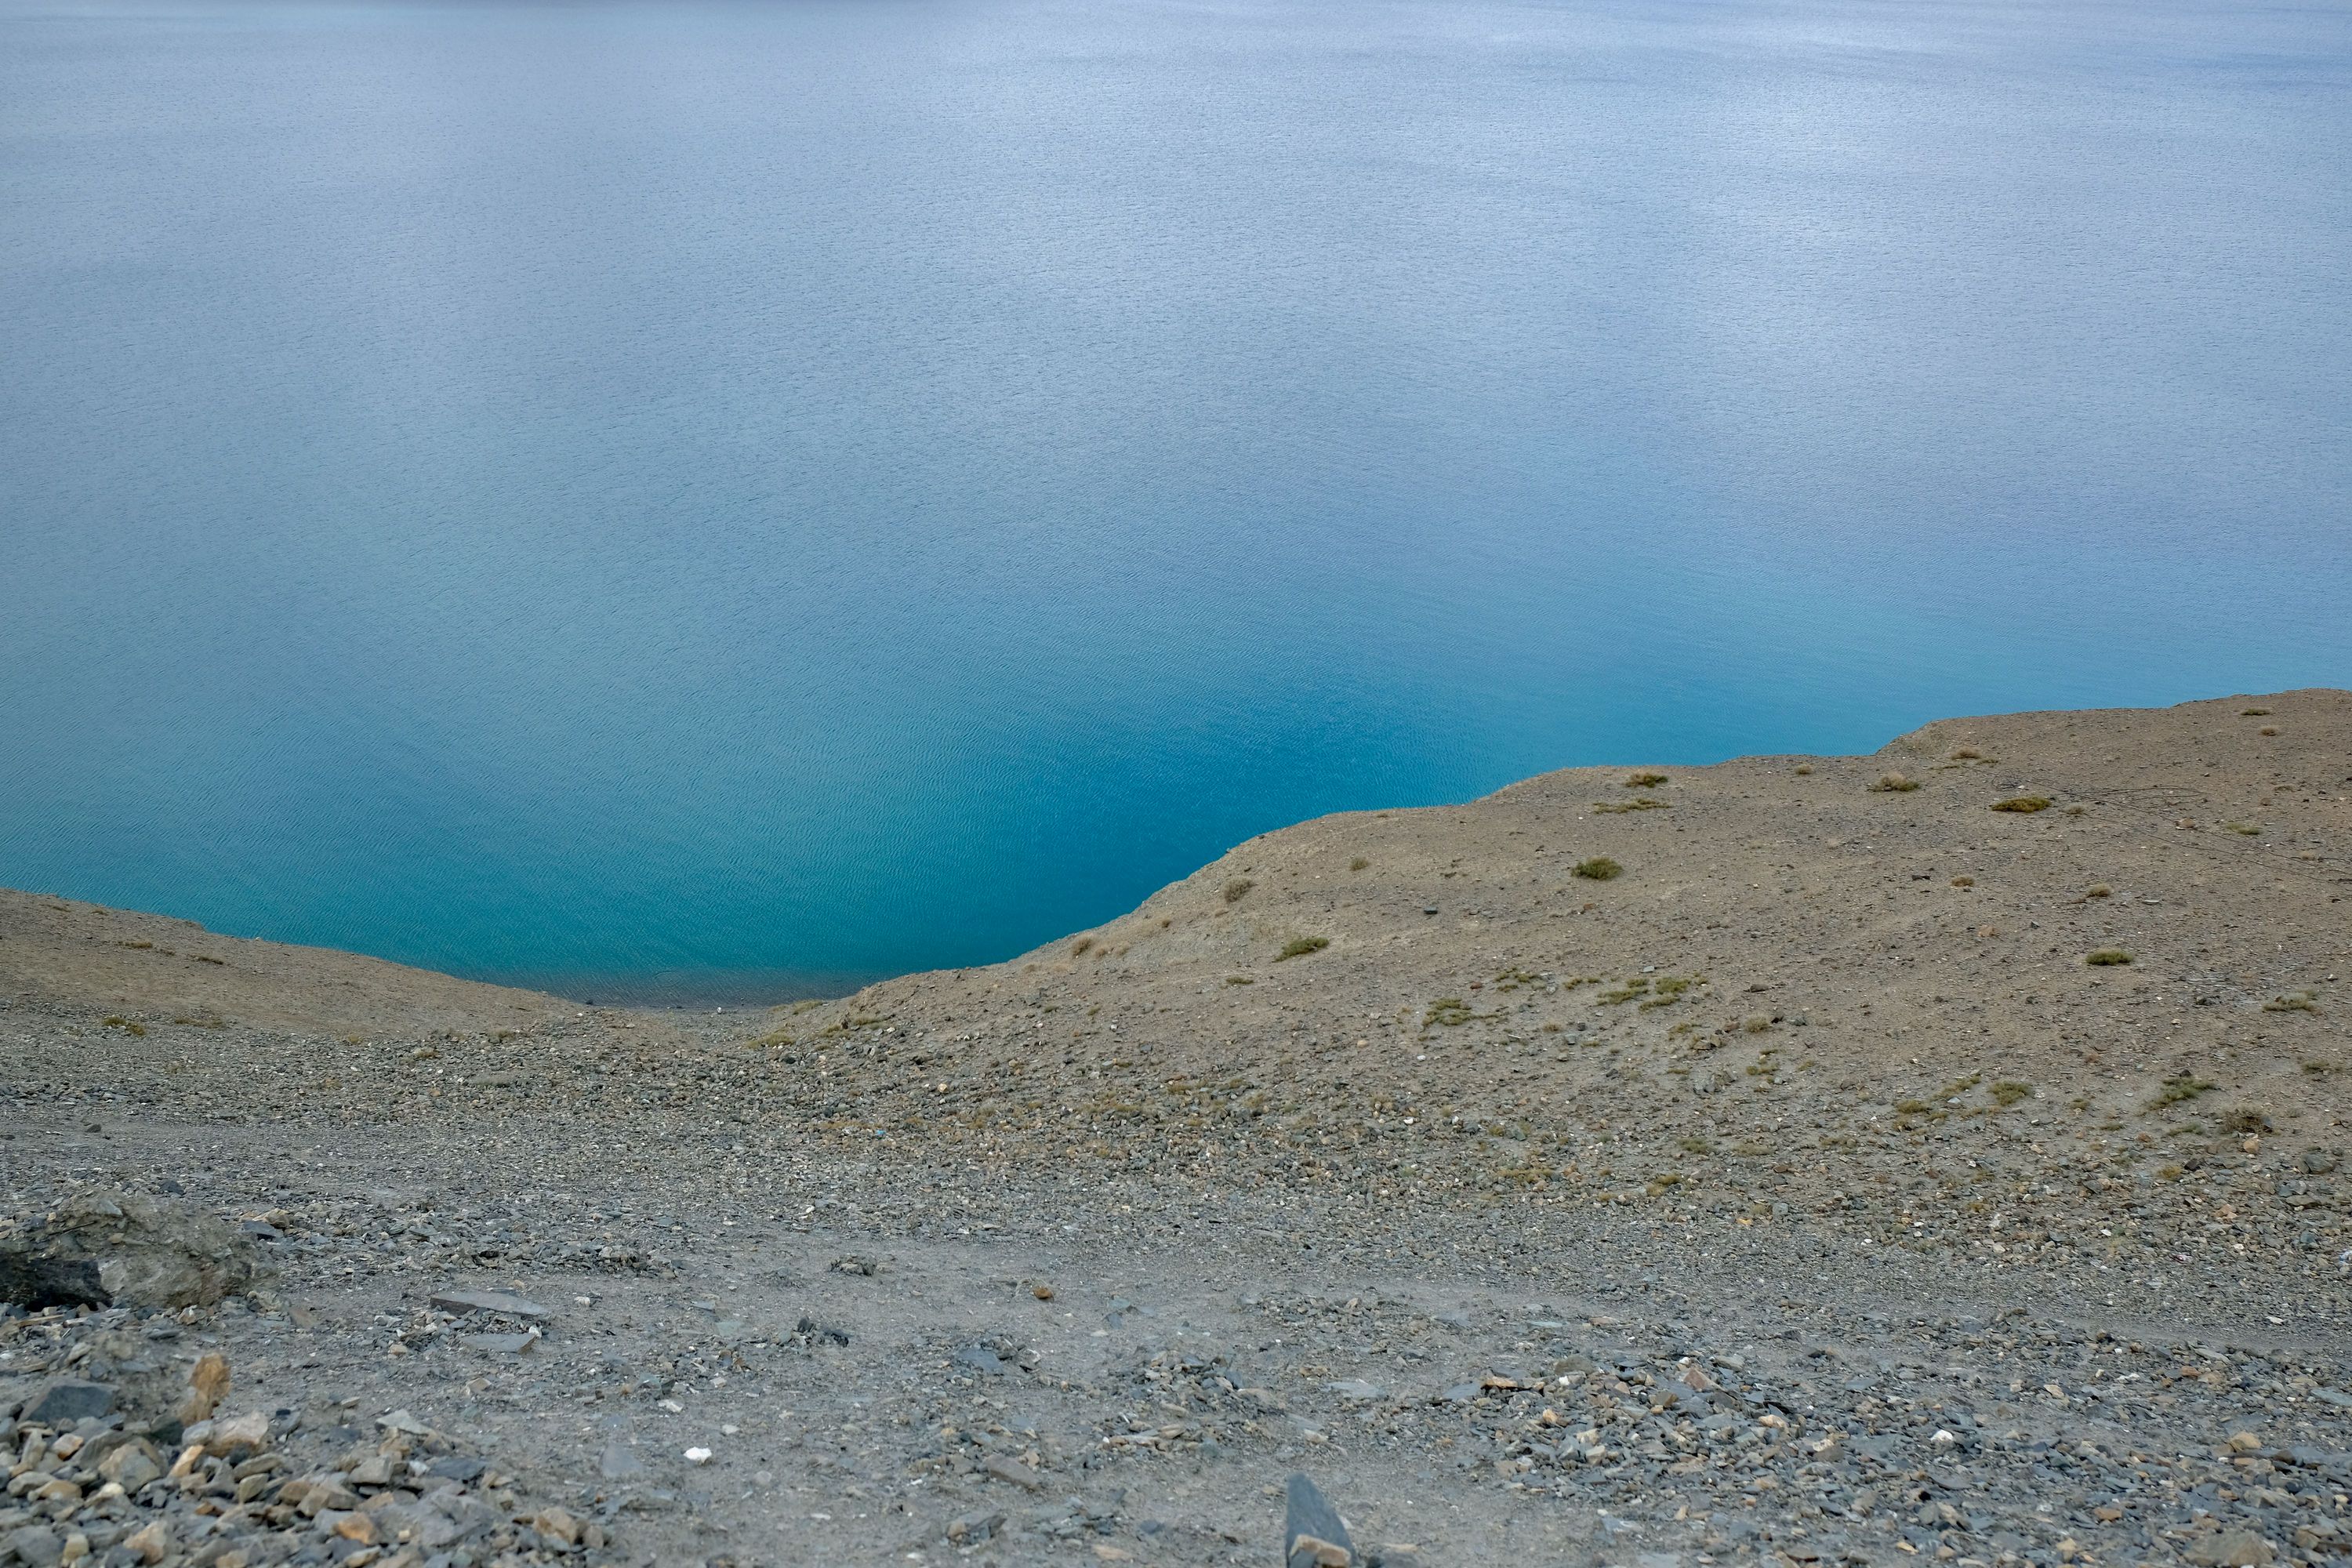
227,1436
64,1401
34,1547
2231,1549
132,1466
1006,1468
154,1543
979,1358
505,1302
557,1524
326,1494
208,1384
974,1528
103,1249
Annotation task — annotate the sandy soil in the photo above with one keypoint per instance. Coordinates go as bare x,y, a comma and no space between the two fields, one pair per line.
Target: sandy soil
1803,1191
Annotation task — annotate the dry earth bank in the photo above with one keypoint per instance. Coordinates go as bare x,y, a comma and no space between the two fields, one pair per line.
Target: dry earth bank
1865,1164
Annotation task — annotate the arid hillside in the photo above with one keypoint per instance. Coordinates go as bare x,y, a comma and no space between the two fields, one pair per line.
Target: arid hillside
2124,928
1927,1155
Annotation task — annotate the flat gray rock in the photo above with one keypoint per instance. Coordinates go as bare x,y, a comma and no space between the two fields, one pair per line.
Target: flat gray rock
34,1546
66,1401
505,1302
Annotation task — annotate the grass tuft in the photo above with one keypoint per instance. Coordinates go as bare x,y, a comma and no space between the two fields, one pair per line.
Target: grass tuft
1894,784
1599,869
1300,946
2107,957
1645,781
2179,1089
1237,889
2023,803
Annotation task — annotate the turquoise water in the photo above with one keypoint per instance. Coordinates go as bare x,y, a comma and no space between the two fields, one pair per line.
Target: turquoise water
706,501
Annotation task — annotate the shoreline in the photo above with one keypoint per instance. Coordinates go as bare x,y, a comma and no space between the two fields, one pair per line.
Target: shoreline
1870,1142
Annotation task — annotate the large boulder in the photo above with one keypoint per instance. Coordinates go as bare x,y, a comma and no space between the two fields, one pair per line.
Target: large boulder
124,1250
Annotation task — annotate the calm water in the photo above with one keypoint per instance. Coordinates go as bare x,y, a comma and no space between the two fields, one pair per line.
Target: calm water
702,499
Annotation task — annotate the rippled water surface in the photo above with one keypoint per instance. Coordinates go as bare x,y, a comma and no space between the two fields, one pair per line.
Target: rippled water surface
701,501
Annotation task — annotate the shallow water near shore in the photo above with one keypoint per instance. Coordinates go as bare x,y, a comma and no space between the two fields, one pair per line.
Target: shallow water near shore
703,503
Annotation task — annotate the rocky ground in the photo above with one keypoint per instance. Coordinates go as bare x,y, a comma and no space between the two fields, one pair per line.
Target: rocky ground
1855,1170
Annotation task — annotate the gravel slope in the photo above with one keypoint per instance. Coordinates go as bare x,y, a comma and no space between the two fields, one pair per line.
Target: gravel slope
1799,1192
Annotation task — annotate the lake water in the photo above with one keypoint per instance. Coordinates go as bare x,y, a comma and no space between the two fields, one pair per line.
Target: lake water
708,500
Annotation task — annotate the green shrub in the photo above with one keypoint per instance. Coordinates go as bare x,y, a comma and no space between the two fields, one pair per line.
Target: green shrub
2023,803
1600,869
1300,946
2105,957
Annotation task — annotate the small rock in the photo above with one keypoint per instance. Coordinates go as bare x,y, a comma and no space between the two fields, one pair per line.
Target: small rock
557,1524
401,1421
2231,1549
34,1546
979,1357
620,1463
208,1385
698,1455
66,1401
131,1465
1006,1468
152,1543
250,1430
974,1528
504,1302
326,1494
